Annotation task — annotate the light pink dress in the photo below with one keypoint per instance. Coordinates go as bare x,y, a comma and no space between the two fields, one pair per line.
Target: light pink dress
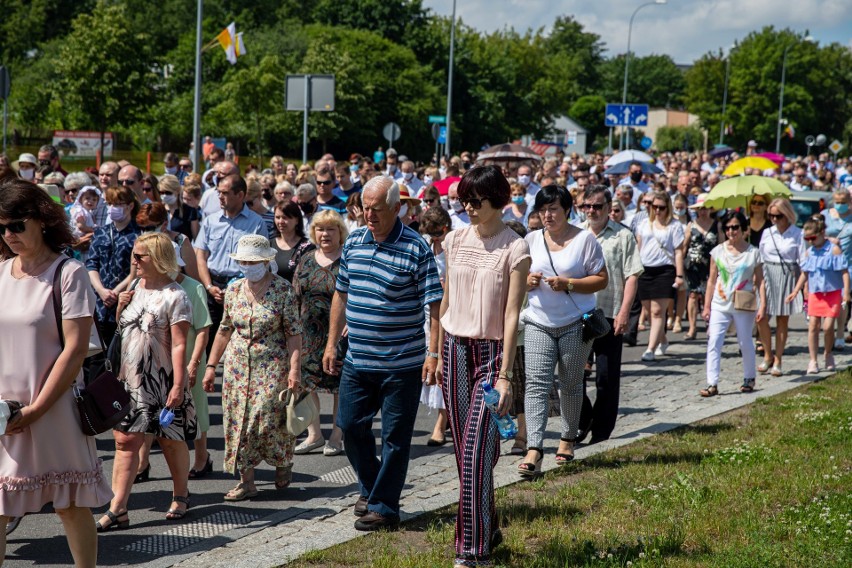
51,460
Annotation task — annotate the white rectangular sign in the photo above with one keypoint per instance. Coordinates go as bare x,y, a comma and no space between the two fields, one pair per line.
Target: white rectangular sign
81,143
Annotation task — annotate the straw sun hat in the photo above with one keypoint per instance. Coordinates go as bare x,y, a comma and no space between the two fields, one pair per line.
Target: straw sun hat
251,248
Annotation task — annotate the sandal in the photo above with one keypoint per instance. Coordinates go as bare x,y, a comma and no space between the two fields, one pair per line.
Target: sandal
519,448
758,347
776,371
564,458
747,386
241,492
177,514
532,470
283,477
202,473
115,522
712,390
764,367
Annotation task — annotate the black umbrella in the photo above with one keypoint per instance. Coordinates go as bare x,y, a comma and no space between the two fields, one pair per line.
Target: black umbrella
624,167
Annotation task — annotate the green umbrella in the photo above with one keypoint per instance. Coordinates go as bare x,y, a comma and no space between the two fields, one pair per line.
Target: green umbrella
737,191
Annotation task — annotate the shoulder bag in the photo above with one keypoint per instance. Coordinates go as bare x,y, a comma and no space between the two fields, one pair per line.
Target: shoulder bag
595,324
301,411
104,402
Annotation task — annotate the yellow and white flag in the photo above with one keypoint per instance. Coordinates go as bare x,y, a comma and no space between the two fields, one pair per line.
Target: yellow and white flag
241,47
228,40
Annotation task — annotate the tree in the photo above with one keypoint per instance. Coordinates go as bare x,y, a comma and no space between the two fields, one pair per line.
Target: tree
589,111
654,80
678,138
105,74
705,89
577,56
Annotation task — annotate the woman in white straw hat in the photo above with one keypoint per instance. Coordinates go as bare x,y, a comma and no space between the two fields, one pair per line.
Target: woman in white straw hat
261,340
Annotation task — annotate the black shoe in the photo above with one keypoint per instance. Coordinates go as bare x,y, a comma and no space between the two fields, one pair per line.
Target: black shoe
630,341
496,539
581,435
373,521
361,507
597,439
12,524
146,473
202,473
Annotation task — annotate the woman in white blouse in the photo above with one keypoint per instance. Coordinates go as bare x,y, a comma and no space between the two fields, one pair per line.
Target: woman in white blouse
660,238
781,248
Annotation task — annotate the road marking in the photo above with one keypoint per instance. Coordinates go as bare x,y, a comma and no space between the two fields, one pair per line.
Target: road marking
345,476
190,533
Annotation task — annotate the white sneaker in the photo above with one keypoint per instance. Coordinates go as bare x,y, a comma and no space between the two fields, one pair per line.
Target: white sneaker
648,355
839,344
661,349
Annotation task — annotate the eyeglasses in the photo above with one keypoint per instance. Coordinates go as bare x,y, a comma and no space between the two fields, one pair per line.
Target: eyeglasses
595,206
732,228
139,257
660,207
15,227
474,202
324,182
187,167
774,217
70,191
761,203
148,189
126,182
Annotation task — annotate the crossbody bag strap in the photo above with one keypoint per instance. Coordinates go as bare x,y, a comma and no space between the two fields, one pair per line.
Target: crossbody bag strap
57,305
555,273
660,244
778,250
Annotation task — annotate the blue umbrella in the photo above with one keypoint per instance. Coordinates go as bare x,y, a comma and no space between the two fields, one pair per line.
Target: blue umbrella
624,167
721,151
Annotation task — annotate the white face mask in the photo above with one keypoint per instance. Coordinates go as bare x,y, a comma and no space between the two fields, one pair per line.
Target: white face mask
117,213
27,174
403,210
680,212
408,176
169,199
254,272
172,171
456,205
524,180
427,180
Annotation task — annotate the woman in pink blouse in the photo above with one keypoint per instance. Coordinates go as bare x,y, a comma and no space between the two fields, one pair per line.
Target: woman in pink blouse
486,271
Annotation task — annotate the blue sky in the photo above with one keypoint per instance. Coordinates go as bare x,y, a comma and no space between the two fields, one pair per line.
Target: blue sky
683,29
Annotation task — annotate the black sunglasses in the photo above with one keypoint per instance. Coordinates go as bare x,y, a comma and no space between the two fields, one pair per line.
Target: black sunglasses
70,191
187,167
138,256
732,228
166,193
126,181
660,207
774,217
15,227
326,182
474,202
595,206
147,189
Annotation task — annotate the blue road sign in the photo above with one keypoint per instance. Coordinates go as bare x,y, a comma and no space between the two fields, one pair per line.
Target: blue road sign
442,135
626,115
646,142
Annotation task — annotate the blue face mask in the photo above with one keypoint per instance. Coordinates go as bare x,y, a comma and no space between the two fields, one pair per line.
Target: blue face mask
518,199
842,208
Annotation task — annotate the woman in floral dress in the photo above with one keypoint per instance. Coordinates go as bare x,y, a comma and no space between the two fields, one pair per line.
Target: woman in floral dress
702,236
261,339
314,282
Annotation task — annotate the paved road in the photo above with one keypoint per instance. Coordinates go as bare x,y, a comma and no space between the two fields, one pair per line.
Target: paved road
315,512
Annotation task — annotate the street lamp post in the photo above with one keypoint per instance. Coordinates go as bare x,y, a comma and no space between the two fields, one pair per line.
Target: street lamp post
725,100
450,82
781,95
627,57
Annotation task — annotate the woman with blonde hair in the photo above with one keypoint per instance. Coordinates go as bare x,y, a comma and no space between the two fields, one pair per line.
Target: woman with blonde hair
154,317
660,238
314,281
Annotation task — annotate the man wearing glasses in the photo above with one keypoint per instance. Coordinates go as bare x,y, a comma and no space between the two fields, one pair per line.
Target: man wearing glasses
131,176
326,200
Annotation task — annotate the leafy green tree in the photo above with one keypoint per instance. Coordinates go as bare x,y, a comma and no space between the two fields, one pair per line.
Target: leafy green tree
677,138
105,77
577,55
25,24
589,111
705,89
391,19
654,80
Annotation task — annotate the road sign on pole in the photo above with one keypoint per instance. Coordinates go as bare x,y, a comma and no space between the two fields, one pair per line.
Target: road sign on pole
437,119
626,115
442,135
305,93
391,132
835,147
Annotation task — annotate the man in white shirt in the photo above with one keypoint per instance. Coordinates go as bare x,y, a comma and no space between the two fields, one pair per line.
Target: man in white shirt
531,187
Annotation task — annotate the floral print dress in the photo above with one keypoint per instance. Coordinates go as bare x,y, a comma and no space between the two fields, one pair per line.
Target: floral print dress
698,257
256,366
314,286
146,361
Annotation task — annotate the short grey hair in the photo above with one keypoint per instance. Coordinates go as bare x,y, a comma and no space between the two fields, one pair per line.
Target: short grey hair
286,186
306,190
55,178
385,183
77,180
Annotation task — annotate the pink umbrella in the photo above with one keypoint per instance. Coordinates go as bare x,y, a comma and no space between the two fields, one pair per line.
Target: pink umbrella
777,158
443,185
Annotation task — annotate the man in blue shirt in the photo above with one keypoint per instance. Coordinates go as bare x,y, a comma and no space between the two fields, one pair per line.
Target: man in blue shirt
217,238
387,277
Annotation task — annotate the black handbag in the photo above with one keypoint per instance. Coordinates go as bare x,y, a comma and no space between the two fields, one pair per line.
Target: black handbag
104,402
595,324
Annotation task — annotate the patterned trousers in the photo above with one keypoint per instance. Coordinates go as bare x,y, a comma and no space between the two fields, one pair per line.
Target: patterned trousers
545,347
467,364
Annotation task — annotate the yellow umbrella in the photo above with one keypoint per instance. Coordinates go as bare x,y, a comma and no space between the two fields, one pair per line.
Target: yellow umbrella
753,162
737,191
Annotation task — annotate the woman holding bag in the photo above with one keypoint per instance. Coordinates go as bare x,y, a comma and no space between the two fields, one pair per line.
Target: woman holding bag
44,455
735,292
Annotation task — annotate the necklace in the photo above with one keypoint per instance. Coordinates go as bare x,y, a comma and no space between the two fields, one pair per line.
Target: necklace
488,237
257,294
34,271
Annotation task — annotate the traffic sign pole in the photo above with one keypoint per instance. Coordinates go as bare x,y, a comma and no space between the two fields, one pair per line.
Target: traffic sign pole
305,121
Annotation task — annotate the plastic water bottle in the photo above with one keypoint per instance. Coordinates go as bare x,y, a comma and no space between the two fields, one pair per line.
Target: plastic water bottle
505,425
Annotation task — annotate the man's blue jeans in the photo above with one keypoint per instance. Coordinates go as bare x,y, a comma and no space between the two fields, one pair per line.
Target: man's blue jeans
362,395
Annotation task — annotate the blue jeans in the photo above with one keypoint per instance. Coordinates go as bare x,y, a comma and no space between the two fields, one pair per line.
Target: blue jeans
362,395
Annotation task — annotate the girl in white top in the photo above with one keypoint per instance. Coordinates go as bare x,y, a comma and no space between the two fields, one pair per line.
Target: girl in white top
660,241
735,270
781,249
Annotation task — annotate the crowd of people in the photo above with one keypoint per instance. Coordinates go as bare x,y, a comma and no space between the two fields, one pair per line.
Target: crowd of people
388,284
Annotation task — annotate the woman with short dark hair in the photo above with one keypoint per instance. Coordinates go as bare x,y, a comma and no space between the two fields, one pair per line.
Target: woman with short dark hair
44,455
291,242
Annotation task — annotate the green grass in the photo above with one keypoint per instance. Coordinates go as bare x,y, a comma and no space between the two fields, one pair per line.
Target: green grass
768,485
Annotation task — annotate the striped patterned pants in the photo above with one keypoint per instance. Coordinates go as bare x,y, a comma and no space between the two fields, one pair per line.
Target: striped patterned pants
545,347
467,364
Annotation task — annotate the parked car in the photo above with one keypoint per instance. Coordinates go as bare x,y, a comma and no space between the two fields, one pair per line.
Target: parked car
807,203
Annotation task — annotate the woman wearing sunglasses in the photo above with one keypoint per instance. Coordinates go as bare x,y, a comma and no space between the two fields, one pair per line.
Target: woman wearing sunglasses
44,455
825,271
486,268
155,316
735,292
660,240
781,249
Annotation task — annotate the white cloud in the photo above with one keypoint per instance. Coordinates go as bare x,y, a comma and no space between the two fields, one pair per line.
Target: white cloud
683,29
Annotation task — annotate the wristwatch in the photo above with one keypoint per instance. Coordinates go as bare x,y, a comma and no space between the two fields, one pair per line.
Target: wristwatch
570,285
506,375
432,354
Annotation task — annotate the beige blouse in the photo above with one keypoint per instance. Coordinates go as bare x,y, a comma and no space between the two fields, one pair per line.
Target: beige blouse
478,277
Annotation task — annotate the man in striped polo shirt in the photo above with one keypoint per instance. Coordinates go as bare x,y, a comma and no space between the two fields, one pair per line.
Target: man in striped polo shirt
387,277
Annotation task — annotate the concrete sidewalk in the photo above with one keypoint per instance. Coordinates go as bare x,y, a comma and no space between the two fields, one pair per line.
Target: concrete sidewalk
655,397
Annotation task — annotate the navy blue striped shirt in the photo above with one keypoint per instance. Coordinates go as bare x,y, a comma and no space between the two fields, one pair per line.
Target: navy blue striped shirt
388,286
